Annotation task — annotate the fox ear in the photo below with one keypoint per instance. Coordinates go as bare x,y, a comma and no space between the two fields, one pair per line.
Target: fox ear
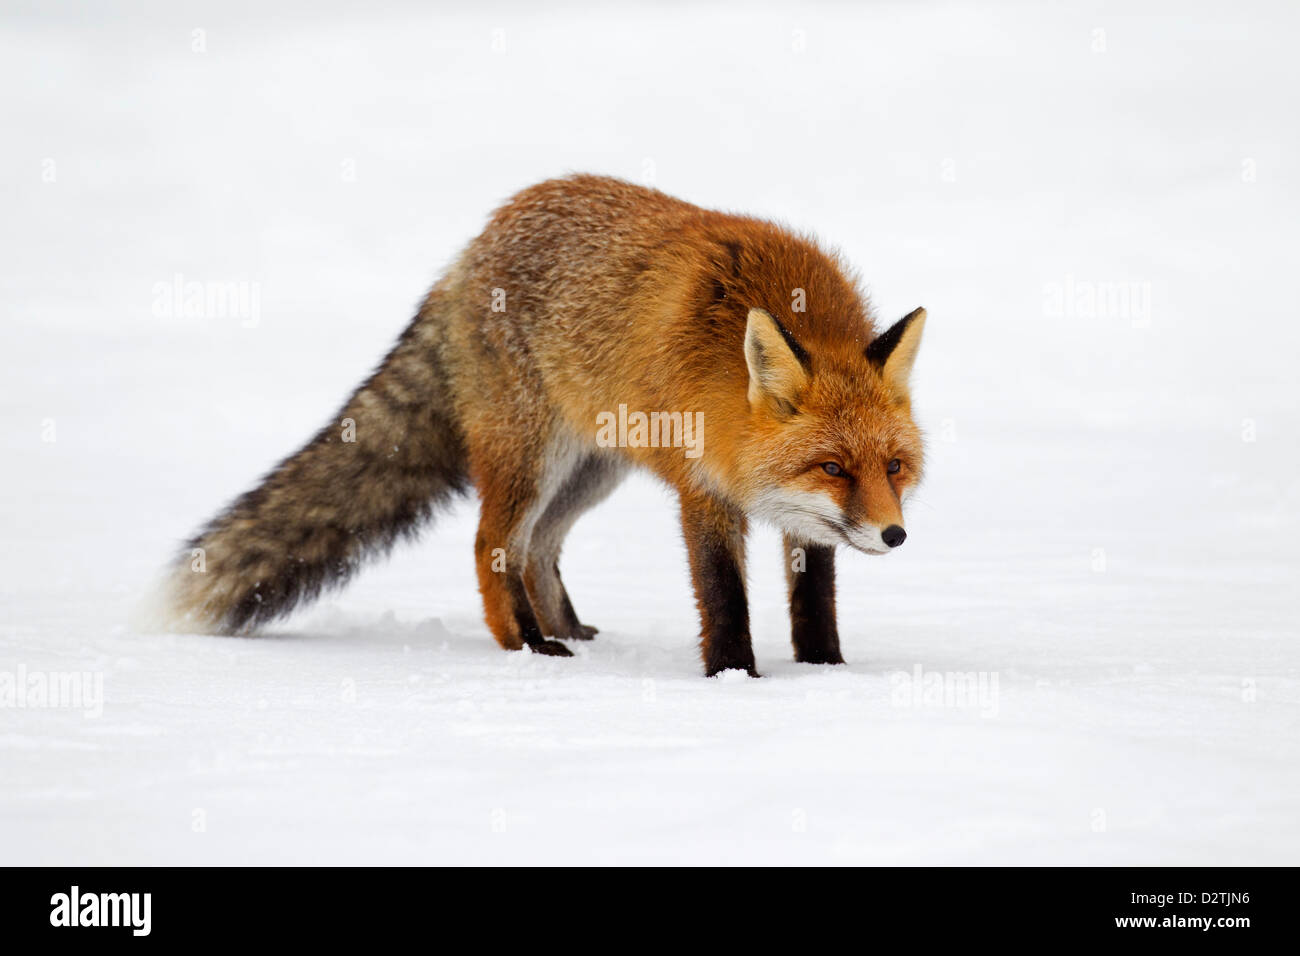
777,363
894,350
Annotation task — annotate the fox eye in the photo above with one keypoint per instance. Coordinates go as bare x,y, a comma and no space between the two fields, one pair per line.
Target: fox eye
832,469
893,466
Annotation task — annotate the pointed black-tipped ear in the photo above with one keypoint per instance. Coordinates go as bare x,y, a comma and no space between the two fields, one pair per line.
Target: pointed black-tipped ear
894,350
777,363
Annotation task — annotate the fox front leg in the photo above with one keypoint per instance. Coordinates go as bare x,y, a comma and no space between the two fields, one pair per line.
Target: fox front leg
810,580
715,544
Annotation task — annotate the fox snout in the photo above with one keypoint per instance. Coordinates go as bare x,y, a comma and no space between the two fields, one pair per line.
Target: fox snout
873,518
875,540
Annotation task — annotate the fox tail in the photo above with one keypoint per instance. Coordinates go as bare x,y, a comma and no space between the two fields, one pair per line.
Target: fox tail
391,457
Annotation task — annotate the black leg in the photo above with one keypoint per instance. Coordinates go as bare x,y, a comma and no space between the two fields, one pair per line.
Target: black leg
810,575
715,543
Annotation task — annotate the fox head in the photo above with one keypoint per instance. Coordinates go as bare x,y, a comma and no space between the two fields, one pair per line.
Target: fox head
836,450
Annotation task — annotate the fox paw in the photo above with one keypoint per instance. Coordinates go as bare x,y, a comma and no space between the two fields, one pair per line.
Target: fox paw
723,668
550,649
819,656
582,632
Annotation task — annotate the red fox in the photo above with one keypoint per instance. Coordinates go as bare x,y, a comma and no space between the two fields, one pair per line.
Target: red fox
595,326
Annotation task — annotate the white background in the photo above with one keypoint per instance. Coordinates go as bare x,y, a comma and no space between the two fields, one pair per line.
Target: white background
1098,531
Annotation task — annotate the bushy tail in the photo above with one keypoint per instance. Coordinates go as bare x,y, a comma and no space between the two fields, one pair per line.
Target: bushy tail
393,454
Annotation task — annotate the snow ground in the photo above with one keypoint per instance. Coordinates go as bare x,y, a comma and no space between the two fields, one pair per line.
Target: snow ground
1108,529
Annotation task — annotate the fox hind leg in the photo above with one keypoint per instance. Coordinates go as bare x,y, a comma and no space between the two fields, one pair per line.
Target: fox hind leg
589,483
514,489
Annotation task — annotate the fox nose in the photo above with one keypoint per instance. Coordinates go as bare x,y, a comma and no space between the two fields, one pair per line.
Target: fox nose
893,535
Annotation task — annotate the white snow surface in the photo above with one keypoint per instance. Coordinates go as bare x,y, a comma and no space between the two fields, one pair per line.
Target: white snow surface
1107,535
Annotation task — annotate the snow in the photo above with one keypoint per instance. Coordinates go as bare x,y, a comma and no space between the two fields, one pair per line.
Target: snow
1106,541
